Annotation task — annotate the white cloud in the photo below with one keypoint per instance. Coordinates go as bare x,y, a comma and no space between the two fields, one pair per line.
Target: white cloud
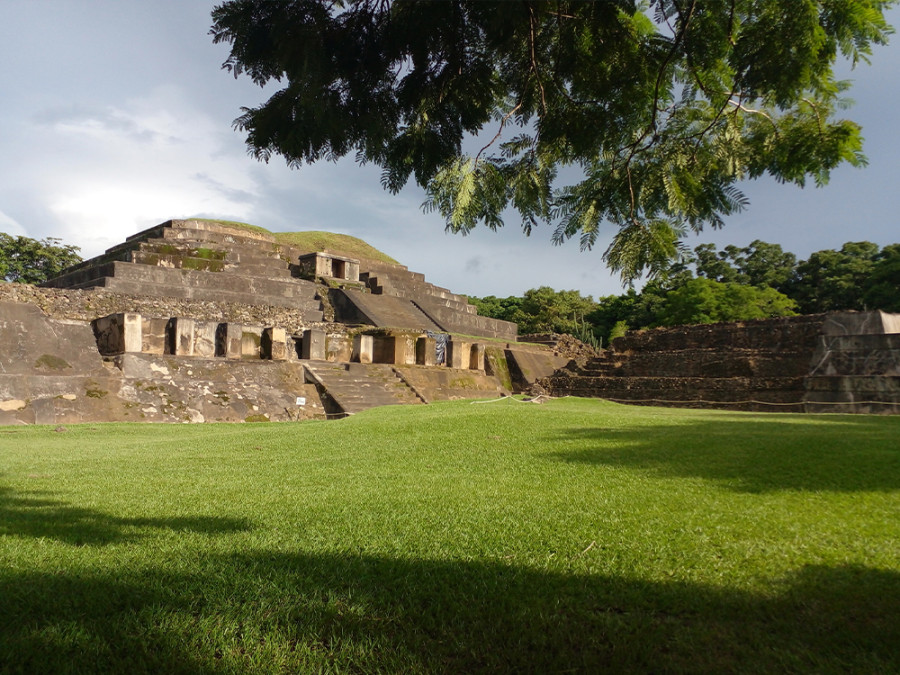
10,226
119,118
129,166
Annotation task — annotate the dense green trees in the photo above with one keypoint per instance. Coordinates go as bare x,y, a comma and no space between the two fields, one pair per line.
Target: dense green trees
709,285
703,300
882,287
831,280
31,261
656,110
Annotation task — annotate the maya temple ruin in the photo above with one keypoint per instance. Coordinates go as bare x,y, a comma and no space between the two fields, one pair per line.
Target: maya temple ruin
194,321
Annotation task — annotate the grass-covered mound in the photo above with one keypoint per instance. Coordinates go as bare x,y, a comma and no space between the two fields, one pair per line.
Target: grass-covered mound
576,536
314,241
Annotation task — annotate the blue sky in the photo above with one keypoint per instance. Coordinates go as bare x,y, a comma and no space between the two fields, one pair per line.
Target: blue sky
116,116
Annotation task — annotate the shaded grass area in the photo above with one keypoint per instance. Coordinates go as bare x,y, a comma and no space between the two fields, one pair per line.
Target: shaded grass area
572,536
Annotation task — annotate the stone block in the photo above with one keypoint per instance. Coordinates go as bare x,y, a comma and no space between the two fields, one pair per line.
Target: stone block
181,336
404,350
251,339
294,345
338,348
382,349
205,338
363,349
313,345
229,337
153,336
425,351
458,354
476,357
274,344
394,348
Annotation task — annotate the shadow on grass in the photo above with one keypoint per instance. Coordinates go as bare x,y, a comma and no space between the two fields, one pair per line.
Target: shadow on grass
752,454
34,515
274,612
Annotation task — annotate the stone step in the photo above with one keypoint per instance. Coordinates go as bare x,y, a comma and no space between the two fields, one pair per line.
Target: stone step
384,311
212,281
791,333
263,287
784,394
230,253
700,363
413,289
200,229
171,243
120,252
394,273
453,321
417,294
311,308
355,387
209,237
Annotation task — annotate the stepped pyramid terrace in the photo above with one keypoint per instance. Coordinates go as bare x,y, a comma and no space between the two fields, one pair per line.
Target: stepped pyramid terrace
196,320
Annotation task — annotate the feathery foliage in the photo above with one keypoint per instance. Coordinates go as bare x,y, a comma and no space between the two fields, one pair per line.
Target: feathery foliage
654,110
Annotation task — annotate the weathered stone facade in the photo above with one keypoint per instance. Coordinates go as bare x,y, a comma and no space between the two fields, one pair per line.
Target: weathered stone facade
193,321
842,362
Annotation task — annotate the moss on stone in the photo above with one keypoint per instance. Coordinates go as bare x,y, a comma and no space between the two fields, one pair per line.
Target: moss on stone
202,265
51,362
208,254
495,359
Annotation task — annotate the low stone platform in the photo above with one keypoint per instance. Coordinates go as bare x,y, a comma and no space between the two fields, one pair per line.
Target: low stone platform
842,362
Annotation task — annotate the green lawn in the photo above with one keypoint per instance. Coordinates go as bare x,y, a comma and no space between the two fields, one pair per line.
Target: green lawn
575,536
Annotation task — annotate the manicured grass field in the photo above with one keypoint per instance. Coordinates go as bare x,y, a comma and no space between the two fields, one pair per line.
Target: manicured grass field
575,536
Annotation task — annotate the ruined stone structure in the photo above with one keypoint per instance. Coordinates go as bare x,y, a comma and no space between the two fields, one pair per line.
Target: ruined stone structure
840,362
194,321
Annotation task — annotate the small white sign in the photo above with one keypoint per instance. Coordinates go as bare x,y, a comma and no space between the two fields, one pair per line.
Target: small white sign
301,400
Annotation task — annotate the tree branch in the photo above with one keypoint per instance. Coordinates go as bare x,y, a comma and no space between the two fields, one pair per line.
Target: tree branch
499,131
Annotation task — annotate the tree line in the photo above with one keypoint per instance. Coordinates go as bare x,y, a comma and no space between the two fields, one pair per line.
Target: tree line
32,261
710,285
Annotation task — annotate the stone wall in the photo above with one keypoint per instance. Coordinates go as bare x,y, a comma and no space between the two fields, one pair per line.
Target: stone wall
856,365
51,372
816,363
87,305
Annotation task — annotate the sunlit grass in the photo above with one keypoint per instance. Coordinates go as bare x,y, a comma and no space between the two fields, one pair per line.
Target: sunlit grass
576,535
313,240
330,241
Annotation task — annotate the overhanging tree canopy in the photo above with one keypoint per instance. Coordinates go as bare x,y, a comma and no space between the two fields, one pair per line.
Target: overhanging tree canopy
653,112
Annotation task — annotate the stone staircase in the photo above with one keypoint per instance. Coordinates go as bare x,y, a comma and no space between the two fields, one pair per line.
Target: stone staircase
347,388
445,311
197,260
402,283
384,311
758,365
